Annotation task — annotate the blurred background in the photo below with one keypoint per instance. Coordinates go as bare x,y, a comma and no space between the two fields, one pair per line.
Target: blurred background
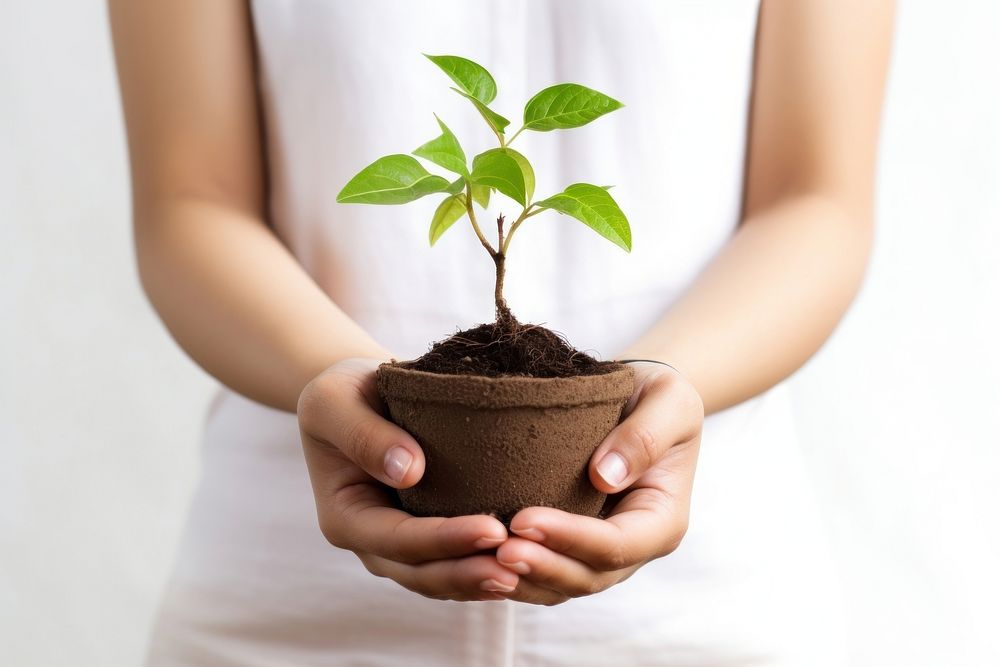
100,412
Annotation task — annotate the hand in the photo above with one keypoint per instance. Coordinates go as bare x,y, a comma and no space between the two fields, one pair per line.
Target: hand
351,452
651,457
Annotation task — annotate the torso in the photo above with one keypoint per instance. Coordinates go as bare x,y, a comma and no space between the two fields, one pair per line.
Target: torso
344,83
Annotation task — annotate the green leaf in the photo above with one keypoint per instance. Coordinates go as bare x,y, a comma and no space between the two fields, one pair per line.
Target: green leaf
498,169
445,151
593,206
469,76
481,195
492,118
566,105
447,213
456,186
394,179
526,171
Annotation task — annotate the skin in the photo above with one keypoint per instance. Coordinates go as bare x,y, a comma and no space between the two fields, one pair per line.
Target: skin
230,293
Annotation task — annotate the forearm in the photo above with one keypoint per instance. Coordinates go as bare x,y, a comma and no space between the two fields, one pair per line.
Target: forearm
766,303
237,301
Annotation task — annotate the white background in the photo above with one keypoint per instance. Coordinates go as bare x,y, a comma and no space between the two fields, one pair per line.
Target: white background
100,412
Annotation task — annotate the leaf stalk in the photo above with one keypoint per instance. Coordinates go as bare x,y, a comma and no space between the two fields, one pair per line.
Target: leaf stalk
511,140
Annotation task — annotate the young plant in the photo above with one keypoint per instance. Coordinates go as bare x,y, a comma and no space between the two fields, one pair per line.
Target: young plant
400,179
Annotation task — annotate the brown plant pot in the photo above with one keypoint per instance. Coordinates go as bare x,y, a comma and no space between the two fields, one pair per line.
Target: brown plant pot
498,445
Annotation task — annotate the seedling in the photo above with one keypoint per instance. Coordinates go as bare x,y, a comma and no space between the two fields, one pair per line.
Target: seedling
400,179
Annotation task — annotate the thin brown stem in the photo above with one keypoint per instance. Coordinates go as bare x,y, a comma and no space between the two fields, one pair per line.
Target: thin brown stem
503,312
500,259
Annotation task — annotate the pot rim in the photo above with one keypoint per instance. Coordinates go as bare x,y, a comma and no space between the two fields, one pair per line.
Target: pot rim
480,391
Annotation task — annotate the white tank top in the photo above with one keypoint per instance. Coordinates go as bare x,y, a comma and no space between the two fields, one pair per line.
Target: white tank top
344,83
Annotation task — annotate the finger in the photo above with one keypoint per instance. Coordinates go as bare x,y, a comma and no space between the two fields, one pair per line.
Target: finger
464,579
667,411
532,593
556,572
341,409
360,517
643,526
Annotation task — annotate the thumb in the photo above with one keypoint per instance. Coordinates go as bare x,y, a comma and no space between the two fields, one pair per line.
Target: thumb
667,411
341,409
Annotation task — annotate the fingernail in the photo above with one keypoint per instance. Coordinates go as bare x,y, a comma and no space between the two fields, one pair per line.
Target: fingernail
520,566
489,542
532,534
494,586
397,462
612,468
492,597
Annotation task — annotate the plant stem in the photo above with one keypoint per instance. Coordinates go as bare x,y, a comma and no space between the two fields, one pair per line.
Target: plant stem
500,259
472,219
503,312
511,140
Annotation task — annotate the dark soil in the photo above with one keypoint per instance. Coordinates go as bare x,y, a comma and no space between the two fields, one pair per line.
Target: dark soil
508,348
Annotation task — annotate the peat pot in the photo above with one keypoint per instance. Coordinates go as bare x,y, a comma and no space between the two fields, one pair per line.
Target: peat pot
498,445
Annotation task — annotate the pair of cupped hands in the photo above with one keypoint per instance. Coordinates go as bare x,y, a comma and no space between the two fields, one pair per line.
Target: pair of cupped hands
550,556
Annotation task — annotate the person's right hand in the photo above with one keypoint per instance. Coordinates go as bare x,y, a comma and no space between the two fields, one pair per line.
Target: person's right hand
352,451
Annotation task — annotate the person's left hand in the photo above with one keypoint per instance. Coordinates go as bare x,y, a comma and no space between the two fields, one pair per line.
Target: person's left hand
651,457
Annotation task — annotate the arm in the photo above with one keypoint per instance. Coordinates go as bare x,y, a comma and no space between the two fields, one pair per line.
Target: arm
227,289
762,307
778,289
242,307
